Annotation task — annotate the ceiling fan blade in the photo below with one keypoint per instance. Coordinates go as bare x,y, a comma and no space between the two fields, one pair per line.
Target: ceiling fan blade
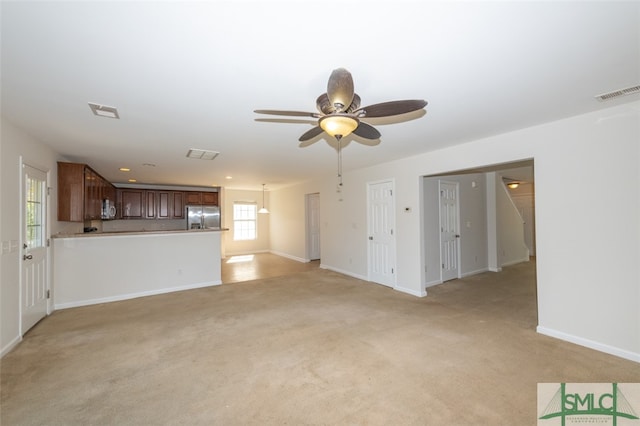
310,134
391,108
366,131
340,89
292,113
305,144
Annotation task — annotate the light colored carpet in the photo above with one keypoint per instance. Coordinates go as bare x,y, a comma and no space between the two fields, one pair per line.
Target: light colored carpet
312,348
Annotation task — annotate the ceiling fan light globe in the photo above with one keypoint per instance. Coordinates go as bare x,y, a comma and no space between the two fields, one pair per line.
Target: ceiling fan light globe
339,125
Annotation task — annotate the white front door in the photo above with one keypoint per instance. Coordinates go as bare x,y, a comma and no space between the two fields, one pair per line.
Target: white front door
313,225
382,243
34,243
449,231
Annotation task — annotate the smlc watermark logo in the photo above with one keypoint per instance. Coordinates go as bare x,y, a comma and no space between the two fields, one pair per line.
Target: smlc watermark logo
588,404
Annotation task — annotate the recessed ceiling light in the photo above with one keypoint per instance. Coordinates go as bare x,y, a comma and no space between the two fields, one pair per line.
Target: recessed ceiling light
103,110
228,177
202,154
132,180
124,169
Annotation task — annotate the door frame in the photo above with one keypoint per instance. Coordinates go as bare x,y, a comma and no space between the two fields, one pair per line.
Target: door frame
394,278
47,236
307,201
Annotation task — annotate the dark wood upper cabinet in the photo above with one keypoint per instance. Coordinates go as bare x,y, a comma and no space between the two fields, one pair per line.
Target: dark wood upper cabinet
178,205
165,209
210,198
80,192
192,197
150,206
201,198
131,203
170,205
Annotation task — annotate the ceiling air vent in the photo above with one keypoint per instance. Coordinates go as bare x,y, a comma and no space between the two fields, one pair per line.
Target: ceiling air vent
202,154
103,110
618,93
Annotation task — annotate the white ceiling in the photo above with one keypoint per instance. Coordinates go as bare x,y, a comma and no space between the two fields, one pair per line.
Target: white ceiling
189,75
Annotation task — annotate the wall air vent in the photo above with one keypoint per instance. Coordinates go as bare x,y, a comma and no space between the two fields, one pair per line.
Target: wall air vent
202,154
618,93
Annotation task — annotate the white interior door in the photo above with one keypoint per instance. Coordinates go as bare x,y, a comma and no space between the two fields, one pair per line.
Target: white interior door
34,284
449,231
382,243
313,225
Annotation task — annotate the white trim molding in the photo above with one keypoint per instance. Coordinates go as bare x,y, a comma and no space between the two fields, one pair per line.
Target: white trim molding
591,344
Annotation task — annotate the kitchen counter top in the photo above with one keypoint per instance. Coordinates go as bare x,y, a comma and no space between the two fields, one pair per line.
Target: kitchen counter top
125,233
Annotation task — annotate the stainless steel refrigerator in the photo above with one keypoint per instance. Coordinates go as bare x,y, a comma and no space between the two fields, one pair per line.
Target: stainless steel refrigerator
203,217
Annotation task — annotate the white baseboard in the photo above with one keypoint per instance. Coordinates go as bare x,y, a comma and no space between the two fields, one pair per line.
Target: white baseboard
477,271
288,256
134,295
591,344
412,292
432,283
515,262
340,271
12,344
242,253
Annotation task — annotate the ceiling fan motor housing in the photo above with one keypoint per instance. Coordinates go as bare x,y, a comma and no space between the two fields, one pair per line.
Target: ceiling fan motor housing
326,107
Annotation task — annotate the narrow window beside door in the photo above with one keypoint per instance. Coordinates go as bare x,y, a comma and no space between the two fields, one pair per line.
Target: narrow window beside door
34,237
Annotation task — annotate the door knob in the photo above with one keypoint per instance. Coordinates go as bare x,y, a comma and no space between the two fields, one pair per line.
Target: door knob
371,238
27,257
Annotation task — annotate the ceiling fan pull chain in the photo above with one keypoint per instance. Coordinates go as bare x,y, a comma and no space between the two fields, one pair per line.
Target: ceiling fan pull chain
339,164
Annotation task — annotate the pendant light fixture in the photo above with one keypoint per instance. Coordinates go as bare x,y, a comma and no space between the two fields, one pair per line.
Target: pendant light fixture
263,209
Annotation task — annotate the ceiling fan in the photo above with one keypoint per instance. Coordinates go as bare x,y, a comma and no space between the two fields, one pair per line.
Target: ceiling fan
340,111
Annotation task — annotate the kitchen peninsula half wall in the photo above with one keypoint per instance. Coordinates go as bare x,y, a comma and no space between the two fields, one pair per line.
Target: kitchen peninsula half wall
106,267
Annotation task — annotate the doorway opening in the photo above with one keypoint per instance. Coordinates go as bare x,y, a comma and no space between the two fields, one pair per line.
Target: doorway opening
472,222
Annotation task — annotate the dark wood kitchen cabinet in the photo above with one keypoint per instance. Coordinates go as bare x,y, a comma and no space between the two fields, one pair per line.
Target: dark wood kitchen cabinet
170,205
201,198
193,198
178,205
150,204
131,203
165,205
210,198
80,192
